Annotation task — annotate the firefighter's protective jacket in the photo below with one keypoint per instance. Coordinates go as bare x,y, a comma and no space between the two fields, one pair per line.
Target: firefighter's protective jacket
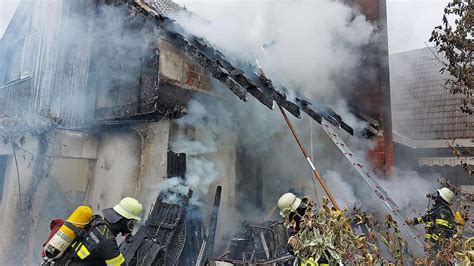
97,247
439,222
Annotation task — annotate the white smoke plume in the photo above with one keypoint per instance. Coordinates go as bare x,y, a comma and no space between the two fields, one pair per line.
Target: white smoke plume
343,191
210,124
306,45
315,48
408,188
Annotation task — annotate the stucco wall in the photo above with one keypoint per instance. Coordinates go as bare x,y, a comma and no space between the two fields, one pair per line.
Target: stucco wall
130,162
53,169
153,165
13,213
115,173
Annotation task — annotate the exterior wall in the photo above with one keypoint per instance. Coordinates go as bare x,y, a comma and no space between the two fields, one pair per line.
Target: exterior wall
179,69
228,217
60,170
116,170
12,49
54,65
153,161
373,93
54,170
14,216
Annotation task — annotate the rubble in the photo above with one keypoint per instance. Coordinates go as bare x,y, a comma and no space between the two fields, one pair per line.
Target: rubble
258,244
160,241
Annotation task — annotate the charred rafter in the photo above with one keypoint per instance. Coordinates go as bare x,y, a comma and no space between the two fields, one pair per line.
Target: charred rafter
238,81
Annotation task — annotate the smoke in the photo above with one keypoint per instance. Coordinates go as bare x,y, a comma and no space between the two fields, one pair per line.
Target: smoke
203,135
175,188
343,191
408,188
405,23
316,49
310,46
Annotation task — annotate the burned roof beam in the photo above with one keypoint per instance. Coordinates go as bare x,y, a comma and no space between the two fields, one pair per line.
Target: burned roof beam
237,80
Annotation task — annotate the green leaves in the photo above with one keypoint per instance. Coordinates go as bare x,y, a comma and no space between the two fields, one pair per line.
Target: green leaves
456,44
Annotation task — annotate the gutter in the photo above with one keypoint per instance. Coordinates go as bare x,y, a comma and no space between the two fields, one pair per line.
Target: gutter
431,144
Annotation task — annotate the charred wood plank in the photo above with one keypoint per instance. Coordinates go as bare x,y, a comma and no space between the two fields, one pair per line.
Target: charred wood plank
239,82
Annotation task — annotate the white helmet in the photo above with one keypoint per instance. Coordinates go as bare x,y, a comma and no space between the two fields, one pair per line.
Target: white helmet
288,201
446,194
129,208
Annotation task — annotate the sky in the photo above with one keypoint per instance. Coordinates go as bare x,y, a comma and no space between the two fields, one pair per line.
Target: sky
410,22
7,8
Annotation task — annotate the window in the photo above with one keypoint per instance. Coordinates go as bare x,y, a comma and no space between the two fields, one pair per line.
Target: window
20,58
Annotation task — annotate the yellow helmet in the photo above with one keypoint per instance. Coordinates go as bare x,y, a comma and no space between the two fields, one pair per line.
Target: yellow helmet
288,201
129,208
446,194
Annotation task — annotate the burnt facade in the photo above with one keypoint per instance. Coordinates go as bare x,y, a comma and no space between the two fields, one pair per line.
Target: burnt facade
87,114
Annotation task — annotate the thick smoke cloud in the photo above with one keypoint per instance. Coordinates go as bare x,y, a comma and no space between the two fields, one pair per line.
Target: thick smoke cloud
314,48
211,124
307,45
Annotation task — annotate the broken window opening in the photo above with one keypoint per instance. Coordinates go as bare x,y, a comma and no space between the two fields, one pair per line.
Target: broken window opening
176,164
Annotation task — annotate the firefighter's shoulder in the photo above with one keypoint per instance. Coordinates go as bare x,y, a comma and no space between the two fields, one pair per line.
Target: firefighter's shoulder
102,232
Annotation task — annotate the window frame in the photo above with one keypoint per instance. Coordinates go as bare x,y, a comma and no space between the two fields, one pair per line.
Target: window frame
23,73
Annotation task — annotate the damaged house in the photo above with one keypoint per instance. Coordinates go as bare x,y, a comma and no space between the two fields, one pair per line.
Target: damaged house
81,130
91,95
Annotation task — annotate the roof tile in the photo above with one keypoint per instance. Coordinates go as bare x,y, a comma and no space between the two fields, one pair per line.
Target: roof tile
422,109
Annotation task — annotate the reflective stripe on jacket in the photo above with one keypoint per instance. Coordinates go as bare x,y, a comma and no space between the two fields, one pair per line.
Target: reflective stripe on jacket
439,222
98,247
312,262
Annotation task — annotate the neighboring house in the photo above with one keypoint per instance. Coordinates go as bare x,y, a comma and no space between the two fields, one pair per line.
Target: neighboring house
429,128
427,120
430,132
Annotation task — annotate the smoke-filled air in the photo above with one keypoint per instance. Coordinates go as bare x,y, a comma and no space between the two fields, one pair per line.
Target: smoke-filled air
273,132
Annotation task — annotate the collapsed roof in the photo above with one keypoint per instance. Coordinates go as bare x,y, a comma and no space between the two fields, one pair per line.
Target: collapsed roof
238,77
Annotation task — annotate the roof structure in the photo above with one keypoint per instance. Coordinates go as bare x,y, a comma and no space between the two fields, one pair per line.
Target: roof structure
422,109
167,8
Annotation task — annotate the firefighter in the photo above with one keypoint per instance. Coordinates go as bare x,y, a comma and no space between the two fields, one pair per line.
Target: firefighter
439,220
289,202
98,245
